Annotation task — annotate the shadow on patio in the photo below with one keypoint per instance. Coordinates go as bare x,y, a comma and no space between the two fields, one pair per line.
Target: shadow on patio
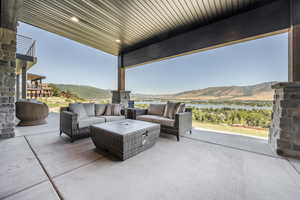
205,165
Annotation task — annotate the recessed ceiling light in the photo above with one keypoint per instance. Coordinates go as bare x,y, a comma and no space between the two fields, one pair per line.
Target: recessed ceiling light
74,19
118,41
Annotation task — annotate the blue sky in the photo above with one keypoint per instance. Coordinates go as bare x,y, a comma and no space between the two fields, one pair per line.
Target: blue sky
65,61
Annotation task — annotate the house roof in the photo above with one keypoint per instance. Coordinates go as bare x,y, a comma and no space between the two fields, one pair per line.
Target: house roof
116,26
33,77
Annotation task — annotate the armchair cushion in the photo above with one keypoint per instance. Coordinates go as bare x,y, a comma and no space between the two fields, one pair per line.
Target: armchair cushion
89,109
157,119
100,109
79,110
86,122
156,109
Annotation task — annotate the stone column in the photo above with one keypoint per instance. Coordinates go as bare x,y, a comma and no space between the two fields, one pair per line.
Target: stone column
120,97
24,81
18,87
7,82
284,134
9,11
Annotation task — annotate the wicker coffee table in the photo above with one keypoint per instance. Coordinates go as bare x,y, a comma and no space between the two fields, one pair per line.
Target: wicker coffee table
125,138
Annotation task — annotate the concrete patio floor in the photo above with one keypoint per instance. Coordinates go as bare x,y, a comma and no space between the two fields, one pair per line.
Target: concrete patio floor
39,164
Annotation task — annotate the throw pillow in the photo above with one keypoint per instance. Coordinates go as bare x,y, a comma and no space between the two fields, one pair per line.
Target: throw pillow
108,111
116,109
100,109
171,109
78,109
156,109
181,108
89,109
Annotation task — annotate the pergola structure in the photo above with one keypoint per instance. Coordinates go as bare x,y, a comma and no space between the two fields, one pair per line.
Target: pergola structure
140,31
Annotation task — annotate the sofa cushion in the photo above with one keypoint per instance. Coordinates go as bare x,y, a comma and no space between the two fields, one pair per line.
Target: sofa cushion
171,109
89,109
113,118
157,119
100,109
86,122
79,110
156,109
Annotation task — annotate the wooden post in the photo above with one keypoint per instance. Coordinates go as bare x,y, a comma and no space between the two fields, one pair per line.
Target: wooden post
121,74
294,42
24,81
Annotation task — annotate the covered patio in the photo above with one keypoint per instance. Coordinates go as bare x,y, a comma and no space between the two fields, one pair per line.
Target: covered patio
37,163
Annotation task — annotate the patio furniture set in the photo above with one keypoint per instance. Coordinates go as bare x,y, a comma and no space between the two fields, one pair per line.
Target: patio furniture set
124,132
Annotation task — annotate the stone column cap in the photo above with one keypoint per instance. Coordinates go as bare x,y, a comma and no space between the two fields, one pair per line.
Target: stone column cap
120,91
286,85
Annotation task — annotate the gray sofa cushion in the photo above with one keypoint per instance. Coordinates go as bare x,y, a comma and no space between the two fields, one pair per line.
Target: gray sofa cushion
89,109
157,119
79,110
171,109
113,118
86,122
100,109
156,109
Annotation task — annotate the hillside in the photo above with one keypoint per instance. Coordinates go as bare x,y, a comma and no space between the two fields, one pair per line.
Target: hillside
258,92
262,91
86,92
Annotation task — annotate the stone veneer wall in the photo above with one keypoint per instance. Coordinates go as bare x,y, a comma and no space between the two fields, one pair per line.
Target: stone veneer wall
7,82
121,97
284,135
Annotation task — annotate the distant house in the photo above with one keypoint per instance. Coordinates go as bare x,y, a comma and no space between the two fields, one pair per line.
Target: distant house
36,88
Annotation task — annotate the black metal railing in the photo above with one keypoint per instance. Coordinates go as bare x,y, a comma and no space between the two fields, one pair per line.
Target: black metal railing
26,46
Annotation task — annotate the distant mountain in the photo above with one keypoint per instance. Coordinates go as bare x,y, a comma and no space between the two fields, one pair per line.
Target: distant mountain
258,92
86,92
262,91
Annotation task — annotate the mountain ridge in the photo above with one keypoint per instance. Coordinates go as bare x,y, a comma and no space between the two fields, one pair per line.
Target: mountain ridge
257,92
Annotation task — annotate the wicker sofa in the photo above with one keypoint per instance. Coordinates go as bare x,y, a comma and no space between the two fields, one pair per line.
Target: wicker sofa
75,121
179,124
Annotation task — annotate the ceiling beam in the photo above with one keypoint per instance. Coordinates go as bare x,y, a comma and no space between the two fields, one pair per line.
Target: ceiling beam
263,21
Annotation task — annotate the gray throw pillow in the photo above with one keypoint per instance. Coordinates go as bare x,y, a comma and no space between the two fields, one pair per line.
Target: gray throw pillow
156,109
100,109
109,111
79,110
171,109
89,109
116,109
181,108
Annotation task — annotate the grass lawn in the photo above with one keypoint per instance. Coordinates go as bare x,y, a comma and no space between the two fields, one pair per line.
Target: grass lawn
236,130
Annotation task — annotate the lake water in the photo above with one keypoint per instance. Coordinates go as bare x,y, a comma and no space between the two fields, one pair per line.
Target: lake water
247,107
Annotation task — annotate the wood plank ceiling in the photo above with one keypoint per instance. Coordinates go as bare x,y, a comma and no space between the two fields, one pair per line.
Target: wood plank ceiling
114,26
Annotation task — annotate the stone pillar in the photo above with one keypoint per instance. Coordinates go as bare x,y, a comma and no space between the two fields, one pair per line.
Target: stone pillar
18,86
24,81
7,82
284,134
9,11
121,97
